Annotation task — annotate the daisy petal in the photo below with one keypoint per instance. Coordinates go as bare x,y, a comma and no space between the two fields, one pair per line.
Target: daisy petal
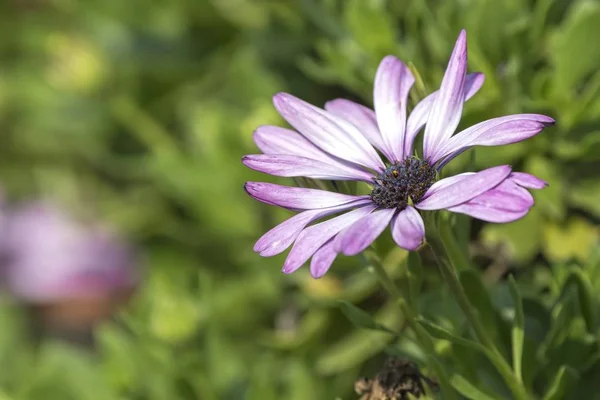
297,198
489,214
408,229
313,237
324,130
494,132
360,116
277,140
505,203
283,235
274,140
506,196
447,108
290,166
446,182
321,261
362,233
393,81
528,181
463,190
418,116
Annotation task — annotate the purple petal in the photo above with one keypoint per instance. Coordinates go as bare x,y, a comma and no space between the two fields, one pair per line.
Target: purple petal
444,196
494,132
418,117
276,140
505,203
489,214
446,182
325,130
360,116
362,233
408,229
50,256
283,235
312,238
506,196
321,261
297,198
392,84
528,181
290,166
447,109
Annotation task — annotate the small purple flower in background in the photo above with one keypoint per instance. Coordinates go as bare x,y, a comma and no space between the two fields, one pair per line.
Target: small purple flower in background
78,273
341,143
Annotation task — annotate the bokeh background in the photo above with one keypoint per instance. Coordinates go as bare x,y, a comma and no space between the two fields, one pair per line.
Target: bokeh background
134,115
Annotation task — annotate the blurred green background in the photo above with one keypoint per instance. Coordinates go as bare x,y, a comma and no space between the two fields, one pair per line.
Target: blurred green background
138,112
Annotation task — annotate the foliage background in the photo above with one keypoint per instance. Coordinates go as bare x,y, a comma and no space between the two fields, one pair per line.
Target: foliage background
138,112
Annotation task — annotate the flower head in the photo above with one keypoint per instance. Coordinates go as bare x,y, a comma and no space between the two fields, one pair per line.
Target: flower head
344,142
49,257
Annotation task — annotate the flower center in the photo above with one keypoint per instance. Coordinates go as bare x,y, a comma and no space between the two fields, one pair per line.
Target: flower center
410,178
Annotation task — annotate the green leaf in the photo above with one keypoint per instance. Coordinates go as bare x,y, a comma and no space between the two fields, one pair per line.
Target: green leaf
562,382
370,26
415,277
585,193
440,333
587,303
518,328
359,345
520,240
419,91
362,319
457,257
570,50
575,239
550,200
467,389
564,310
480,299
586,148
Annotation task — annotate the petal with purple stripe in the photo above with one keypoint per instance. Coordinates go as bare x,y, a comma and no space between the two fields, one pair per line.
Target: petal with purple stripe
489,214
277,140
313,237
325,130
362,233
418,116
393,81
447,108
505,203
441,184
463,190
283,235
297,198
494,132
291,166
528,181
507,196
323,258
408,229
360,116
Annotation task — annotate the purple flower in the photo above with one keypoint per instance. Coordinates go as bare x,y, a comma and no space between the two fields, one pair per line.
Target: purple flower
49,257
342,142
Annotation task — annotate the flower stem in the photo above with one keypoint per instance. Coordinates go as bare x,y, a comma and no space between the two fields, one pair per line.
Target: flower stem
448,271
423,338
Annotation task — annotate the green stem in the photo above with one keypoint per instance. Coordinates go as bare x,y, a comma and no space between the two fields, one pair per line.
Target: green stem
423,338
454,252
448,272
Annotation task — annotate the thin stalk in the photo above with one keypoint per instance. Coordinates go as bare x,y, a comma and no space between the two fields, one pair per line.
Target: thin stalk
423,338
448,272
